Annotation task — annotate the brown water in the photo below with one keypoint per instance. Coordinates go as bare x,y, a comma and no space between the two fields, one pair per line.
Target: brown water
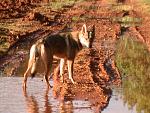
37,99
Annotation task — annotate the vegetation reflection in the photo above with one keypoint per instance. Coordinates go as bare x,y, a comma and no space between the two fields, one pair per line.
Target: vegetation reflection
133,61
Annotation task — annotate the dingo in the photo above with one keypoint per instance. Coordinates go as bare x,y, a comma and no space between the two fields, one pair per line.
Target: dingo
64,46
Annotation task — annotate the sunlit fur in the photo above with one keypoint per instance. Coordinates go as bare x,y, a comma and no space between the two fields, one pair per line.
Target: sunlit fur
64,46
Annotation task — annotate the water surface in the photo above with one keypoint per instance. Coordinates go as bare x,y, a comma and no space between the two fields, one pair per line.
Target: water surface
37,99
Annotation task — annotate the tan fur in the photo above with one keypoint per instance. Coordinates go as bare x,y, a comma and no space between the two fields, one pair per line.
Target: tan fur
64,46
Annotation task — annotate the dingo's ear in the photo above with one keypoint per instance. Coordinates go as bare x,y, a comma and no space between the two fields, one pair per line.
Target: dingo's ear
83,30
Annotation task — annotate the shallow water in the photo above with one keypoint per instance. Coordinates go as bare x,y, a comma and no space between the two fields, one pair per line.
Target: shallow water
37,99
117,104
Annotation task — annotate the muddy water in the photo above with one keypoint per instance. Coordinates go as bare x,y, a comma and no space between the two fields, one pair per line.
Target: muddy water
117,104
37,99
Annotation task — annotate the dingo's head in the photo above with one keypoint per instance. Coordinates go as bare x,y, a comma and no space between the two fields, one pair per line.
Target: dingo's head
85,36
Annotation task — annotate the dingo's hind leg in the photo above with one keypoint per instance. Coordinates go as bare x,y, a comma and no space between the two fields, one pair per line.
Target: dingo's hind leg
30,63
47,63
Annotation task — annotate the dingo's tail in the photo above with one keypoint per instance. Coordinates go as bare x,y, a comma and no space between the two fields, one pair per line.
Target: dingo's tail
34,56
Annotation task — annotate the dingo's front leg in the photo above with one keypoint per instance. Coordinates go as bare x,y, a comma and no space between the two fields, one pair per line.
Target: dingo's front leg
62,63
70,70
25,81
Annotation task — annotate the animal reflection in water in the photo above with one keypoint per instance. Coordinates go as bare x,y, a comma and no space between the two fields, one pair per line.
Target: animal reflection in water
59,92
32,103
34,106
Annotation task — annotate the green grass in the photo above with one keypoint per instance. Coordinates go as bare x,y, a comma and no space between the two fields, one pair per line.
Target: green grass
77,18
132,56
16,28
146,1
59,4
128,21
4,46
133,61
122,7
144,5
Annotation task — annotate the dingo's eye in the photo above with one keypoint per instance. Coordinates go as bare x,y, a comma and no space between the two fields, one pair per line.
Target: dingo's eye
89,34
